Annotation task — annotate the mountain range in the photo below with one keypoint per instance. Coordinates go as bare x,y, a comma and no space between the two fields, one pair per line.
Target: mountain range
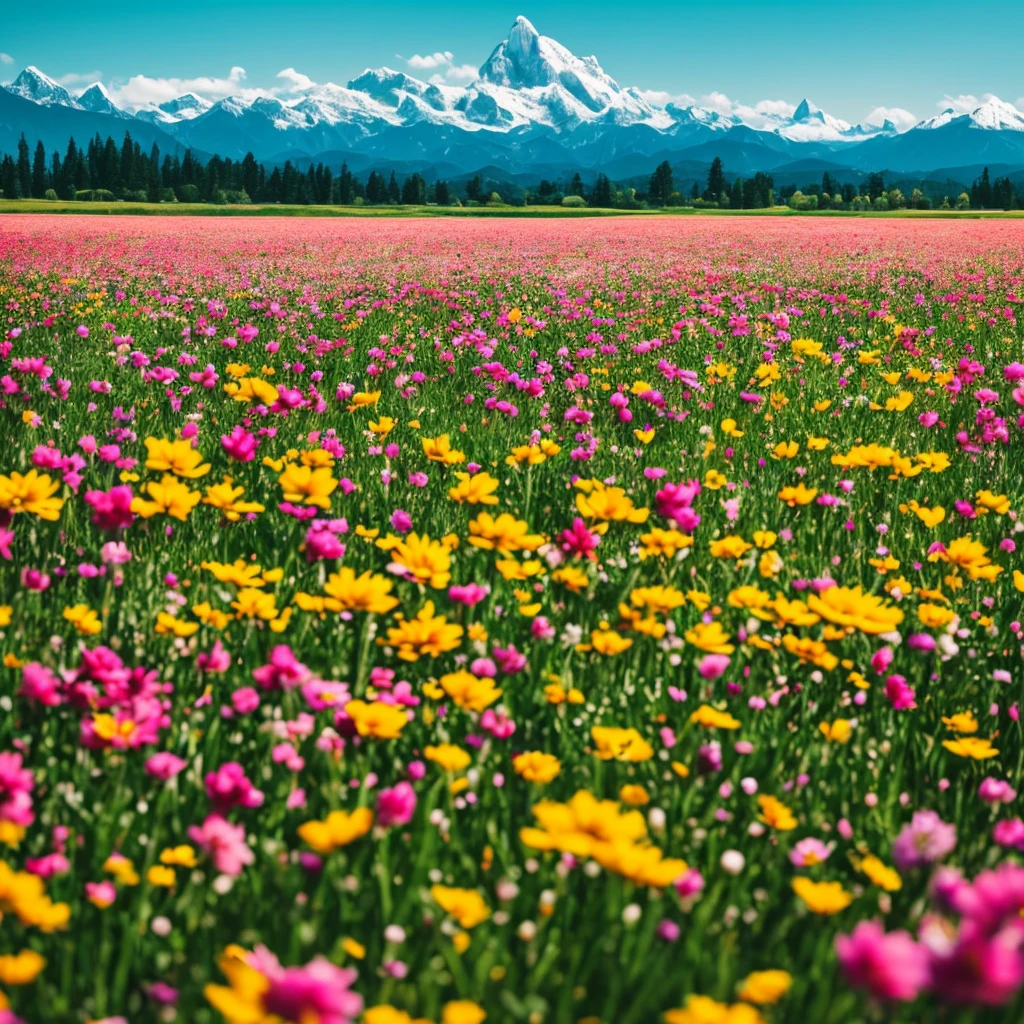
535,109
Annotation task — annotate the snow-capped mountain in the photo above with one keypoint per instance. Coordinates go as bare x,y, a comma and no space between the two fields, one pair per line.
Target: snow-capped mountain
97,99
533,106
33,85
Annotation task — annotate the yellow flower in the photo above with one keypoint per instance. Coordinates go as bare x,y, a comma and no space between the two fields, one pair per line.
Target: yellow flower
708,717
22,968
467,906
729,547
364,400
620,744
851,607
338,829
765,987
597,501
421,559
607,641
474,490
798,495
177,457
353,948
439,449
506,534
635,796
838,731
705,1010
382,427
786,450
964,722
709,637
536,766
170,497
883,876
377,719
462,1011
450,757
974,747
989,502
32,492
661,543
386,1014
426,634
228,499
181,856
822,897
469,691
170,624
160,876
366,593
776,814
307,485
84,619
251,389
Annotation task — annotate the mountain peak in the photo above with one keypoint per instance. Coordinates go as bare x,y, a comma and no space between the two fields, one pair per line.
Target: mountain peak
33,84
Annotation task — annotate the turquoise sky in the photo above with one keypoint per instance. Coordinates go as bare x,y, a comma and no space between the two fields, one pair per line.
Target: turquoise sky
847,58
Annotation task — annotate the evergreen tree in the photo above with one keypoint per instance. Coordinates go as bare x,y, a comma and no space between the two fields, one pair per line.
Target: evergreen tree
576,185
394,192
475,189
39,185
737,200
24,170
660,187
602,191
442,195
716,181
875,185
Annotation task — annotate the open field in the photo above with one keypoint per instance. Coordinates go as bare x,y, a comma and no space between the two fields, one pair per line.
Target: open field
37,206
604,623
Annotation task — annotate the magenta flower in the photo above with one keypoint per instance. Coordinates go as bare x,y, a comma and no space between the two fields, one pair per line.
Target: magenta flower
892,967
224,843
395,806
926,840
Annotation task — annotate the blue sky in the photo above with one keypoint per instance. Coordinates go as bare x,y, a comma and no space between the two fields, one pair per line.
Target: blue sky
848,58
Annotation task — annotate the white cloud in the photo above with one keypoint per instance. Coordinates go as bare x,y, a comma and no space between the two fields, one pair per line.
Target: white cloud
659,98
442,63
296,80
70,81
141,90
430,61
6,58
962,104
903,119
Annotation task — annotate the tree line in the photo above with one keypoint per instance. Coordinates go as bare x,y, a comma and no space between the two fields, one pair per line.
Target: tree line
102,170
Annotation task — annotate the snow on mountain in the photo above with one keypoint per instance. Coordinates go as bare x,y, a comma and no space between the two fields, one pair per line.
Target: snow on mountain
97,99
33,85
533,103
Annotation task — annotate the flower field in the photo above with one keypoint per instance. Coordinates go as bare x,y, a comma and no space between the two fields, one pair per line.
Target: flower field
593,621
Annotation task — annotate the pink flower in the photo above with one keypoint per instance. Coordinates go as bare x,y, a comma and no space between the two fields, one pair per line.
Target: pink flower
395,806
112,510
995,791
224,843
318,993
809,852
228,787
216,660
284,672
164,765
892,967
713,666
16,785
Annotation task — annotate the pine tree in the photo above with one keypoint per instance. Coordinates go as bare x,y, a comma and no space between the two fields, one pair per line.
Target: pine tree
394,192
442,194
716,180
602,191
24,170
39,185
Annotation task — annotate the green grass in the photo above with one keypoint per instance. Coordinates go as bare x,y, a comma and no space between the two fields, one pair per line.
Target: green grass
286,210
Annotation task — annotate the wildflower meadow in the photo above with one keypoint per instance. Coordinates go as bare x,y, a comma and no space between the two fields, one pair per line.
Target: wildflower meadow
602,622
